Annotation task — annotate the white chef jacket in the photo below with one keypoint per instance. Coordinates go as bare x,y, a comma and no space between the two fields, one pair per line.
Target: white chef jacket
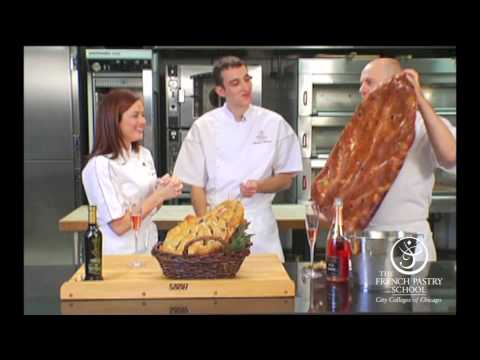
406,205
102,179
219,153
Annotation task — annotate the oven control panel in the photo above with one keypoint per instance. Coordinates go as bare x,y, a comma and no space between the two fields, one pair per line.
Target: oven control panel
173,88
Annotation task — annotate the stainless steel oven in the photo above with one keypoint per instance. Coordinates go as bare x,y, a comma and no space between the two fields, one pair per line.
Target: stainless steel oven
129,69
190,93
327,97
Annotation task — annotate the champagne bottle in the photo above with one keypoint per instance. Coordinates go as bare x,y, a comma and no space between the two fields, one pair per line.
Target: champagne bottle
338,248
93,247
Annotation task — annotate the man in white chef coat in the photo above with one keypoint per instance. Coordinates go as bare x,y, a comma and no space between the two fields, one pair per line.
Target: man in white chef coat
406,205
240,151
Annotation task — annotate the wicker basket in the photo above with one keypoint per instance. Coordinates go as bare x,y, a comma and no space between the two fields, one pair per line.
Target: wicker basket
218,265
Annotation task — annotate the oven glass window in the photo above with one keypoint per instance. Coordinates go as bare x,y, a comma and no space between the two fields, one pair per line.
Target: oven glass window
335,98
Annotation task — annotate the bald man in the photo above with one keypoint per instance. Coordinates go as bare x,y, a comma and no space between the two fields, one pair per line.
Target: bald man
406,205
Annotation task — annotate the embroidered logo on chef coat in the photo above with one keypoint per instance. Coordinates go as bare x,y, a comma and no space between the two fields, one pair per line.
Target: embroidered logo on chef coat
261,138
149,167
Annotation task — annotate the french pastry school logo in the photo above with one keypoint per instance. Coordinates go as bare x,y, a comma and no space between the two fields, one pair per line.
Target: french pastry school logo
409,255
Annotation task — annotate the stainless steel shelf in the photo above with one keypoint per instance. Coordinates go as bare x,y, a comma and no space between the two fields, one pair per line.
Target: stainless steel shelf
335,114
330,121
318,163
445,112
443,204
341,119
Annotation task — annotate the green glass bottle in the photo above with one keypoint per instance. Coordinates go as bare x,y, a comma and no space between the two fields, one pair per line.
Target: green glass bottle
93,247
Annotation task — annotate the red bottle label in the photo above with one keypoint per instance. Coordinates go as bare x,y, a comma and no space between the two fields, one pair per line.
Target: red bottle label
333,266
338,261
338,248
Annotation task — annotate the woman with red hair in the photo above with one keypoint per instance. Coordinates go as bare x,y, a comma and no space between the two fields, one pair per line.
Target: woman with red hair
120,168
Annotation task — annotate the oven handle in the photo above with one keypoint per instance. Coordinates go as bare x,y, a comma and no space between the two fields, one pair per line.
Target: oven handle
304,140
181,96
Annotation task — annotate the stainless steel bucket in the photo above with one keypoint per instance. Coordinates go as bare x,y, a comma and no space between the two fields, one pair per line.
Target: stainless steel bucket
372,267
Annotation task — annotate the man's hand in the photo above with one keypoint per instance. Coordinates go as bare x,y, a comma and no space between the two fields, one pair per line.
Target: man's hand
269,185
249,188
414,79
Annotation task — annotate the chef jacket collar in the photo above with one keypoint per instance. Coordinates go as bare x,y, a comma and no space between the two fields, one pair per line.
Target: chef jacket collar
125,155
230,114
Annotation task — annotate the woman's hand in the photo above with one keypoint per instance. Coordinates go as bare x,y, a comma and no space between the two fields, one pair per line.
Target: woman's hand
168,187
176,181
166,179
165,188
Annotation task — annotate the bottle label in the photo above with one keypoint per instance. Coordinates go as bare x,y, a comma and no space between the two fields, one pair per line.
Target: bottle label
96,250
93,254
95,267
333,266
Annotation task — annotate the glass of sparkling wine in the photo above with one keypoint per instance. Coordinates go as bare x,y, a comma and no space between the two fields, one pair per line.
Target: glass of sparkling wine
312,221
136,220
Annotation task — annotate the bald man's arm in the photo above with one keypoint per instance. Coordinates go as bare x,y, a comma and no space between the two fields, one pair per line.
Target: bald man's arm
443,142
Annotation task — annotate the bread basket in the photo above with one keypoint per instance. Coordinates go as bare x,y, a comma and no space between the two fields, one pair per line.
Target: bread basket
219,265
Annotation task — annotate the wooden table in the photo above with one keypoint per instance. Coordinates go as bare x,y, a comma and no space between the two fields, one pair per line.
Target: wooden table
289,216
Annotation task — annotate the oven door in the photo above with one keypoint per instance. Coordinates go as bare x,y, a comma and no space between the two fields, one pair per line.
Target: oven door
326,85
318,135
311,168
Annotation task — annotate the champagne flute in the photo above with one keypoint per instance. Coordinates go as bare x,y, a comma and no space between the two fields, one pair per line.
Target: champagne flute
136,219
312,222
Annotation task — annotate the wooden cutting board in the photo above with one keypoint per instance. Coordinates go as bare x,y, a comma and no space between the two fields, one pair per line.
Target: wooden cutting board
259,276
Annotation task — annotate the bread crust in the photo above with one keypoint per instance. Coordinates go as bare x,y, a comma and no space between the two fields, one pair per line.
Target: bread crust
370,153
219,223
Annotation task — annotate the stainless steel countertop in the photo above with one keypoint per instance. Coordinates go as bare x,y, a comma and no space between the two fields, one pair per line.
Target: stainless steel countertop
42,284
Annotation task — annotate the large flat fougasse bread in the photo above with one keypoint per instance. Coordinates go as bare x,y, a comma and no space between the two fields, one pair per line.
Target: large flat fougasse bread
369,154
207,234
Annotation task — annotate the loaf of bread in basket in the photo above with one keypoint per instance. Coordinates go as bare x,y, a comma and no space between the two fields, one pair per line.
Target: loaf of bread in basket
220,229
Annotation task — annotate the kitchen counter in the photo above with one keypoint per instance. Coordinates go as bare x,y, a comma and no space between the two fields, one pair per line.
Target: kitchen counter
42,296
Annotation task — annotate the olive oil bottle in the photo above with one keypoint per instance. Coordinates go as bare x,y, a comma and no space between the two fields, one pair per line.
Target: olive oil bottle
93,247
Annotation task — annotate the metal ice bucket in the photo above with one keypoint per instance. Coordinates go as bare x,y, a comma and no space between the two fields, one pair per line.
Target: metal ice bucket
372,267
